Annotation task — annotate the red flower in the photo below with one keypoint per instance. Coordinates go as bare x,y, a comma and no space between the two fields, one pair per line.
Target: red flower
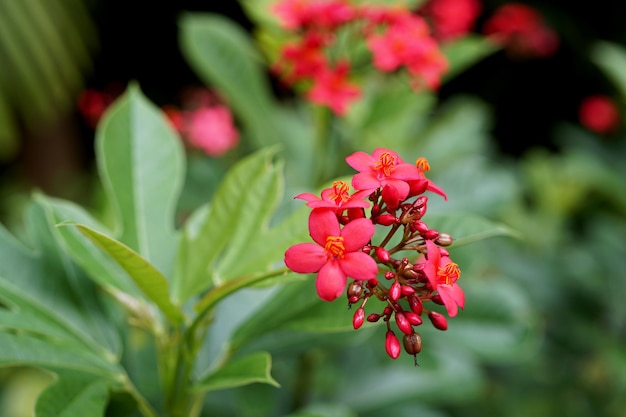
521,29
295,14
422,184
332,88
383,167
337,198
599,113
442,275
451,19
336,253
302,60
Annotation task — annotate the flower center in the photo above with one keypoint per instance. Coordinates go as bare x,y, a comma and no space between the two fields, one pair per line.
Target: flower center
334,247
386,164
340,192
450,273
422,164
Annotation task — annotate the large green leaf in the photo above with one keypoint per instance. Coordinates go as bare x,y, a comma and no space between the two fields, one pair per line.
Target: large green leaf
141,163
144,274
242,371
44,293
217,245
24,349
74,394
100,268
223,56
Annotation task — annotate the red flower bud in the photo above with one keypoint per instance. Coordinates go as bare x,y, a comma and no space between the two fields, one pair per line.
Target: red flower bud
355,213
412,343
395,291
437,299
373,318
438,320
382,254
355,289
416,304
403,323
420,227
413,318
391,197
358,318
386,219
431,234
372,283
407,290
392,345
387,311
389,275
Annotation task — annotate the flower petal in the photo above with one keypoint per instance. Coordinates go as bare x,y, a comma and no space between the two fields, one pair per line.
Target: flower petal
406,172
451,295
360,161
323,223
365,181
357,234
400,185
331,281
307,197
359,265
305,258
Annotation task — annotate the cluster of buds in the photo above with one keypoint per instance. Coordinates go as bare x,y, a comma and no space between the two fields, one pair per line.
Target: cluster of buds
318,60
411,259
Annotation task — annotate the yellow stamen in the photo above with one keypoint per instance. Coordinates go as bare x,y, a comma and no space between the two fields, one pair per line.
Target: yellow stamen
334,247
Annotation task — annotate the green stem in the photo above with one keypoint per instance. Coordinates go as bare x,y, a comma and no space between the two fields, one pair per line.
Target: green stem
144,406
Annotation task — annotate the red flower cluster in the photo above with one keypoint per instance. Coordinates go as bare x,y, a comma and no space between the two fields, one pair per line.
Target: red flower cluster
389,194
599,113
396,38
522,31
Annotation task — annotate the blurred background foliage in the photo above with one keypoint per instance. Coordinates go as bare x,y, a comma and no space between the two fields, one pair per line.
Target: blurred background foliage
544,330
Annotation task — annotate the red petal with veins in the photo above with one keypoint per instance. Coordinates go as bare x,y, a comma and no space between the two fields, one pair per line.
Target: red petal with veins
331,281
305,258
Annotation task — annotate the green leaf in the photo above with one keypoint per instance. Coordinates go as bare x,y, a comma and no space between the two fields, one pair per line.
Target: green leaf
141,163
217,245
243,371
223,56
100,268
146,276
24,349
74,394
465,52
467,228
611,59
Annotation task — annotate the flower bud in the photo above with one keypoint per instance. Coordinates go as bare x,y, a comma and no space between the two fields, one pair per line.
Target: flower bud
358,318
436,299
391,197
431,234
395,291
373,318
355,289
444,239
392,345
403,323
355,213
438,320
419,226
412,343
415,303
382,254
387,311
413,318
389,275
407,290
372,283
386,219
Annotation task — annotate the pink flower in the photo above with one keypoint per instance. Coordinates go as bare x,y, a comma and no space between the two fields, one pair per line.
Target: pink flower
211,129
336,253
599,114
337,198
424,184
302,60
296,14
442,275
522,31
383,167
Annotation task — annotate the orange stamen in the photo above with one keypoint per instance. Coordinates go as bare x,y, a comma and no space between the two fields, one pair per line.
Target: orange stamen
422,164
450,273
340,192
386,164
334,247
